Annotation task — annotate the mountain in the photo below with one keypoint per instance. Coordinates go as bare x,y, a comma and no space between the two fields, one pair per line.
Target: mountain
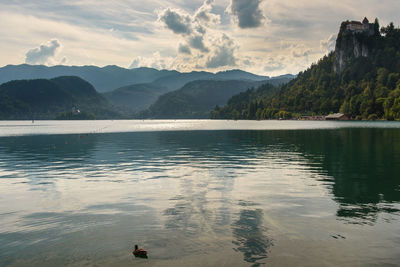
196,99
103,79
239,75
109,78
246,105
134,98
137,97
128,90
361,79
282,79
177,80
44,99
136,89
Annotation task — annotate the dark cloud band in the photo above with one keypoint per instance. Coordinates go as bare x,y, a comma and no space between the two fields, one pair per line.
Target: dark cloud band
247,13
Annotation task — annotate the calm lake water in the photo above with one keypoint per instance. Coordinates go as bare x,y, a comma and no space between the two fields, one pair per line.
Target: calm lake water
200,193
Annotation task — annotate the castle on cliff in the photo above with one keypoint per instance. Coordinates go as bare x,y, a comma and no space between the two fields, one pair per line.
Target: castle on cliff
361,27
355,39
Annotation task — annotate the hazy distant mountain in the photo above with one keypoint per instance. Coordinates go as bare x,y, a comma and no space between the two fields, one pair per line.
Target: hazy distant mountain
44,99
239,75
133,98
282,79
111,77
136,89
177,80
103,79
196,99
137,97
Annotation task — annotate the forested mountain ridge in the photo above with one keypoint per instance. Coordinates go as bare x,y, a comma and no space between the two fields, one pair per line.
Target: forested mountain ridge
176,81
108,78
137,97
361,78
196,99
45,99
104,79
246,105
144,86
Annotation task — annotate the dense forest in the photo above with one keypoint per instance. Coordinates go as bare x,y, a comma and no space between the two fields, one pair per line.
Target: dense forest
130,99
196,99
45,99
368,87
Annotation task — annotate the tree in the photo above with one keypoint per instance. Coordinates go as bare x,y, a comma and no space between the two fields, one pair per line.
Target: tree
367,87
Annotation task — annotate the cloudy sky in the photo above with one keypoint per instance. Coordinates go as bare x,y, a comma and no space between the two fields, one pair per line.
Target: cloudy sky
268,37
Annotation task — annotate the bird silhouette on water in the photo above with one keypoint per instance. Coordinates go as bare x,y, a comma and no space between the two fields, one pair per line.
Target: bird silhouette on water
139,252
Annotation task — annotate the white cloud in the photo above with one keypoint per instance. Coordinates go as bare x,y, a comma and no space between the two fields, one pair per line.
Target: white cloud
83,29
329,44
273,64
156,62
44,54
213,48
83,46
205,16
193,28
223,54
301,52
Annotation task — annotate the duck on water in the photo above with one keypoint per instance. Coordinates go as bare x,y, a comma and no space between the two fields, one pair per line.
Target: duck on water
138,252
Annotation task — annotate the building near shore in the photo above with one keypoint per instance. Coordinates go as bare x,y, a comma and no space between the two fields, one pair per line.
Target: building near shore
337,117
312,118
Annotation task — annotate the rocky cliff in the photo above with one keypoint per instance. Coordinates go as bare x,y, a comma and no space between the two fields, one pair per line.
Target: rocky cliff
355,39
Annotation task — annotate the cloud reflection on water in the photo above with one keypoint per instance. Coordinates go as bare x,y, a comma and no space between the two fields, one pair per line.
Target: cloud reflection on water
190,192
250,235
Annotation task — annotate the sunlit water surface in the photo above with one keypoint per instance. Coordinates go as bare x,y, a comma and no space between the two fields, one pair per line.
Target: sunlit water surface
200,193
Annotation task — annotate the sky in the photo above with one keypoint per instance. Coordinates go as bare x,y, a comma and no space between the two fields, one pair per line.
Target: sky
266,37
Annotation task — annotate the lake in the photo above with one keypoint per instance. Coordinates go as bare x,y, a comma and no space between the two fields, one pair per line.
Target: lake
199,193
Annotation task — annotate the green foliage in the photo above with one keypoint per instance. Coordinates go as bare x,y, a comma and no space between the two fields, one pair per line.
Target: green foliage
248,105
134,98
372,117
368,87
43,99
196,99
75,116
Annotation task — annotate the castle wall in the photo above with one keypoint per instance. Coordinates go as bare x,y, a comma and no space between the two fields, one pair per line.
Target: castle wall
356,27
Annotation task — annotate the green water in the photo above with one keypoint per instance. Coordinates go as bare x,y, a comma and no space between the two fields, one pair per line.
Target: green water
309,196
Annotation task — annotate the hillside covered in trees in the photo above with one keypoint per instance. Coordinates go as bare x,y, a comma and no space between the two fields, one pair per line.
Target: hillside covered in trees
133,98
45,99
197,99
361,78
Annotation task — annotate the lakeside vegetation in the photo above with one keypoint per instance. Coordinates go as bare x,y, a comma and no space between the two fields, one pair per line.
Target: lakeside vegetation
361,79
368,87
75,116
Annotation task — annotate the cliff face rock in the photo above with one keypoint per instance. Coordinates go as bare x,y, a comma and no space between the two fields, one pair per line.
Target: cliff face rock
355,39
